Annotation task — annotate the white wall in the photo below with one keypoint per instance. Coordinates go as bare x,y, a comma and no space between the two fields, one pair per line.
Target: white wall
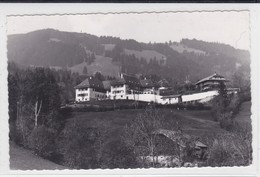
89,94
168,101
199,96
143,97
85,91
185,98
122,92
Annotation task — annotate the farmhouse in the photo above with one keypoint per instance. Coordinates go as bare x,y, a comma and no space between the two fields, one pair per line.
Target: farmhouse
90,89
211,82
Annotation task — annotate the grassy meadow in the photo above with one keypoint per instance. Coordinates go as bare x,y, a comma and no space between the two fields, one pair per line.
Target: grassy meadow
198,123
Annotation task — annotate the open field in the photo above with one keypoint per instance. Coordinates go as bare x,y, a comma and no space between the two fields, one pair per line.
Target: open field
197,123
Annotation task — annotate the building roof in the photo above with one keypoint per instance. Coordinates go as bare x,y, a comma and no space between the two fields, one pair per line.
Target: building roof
107,85
199,144
90,82
126,79
163,83
213,77
173,135
146,83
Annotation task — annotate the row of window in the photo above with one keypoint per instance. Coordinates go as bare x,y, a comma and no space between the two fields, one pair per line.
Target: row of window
118,91
82,94
149,92
83,89
93,89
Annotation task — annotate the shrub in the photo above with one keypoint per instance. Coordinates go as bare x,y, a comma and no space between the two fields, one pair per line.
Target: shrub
79,146
224,112
21,131
42,141
230,150
225,120
66,112
116,154
13,134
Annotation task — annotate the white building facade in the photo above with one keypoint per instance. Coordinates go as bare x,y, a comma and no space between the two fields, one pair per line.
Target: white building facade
130,88
90,89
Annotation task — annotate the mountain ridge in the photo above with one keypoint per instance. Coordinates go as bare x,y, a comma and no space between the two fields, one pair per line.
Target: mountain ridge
194,59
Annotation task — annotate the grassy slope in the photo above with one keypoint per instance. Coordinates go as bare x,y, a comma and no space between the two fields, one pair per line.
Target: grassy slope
101,64
198,123
146,54
23,159
181,48
243,117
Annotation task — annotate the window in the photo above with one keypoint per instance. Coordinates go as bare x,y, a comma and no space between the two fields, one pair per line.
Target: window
81,94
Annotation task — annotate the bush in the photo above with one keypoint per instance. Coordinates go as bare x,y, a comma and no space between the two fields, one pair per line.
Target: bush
225,114
42,141
79,146
13,134
117,155
230,150
21,131
225,121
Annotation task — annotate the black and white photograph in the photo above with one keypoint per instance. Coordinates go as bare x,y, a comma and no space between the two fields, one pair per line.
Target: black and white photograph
129,90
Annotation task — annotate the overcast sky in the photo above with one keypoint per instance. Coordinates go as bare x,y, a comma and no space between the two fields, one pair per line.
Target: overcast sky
226,27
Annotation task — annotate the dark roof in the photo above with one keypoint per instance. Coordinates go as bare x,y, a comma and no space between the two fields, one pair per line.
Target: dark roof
117,82
173,135
213,77
107,85
147,83
90,82
163,83
131,79
126,79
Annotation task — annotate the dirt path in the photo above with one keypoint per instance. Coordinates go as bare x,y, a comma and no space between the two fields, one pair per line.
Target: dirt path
23,159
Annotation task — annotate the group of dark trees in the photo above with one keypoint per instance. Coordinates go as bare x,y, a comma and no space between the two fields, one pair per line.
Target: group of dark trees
56,48
34,103
37,122
235,147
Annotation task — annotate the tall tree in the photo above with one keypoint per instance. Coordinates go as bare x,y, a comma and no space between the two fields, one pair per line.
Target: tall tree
85,71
